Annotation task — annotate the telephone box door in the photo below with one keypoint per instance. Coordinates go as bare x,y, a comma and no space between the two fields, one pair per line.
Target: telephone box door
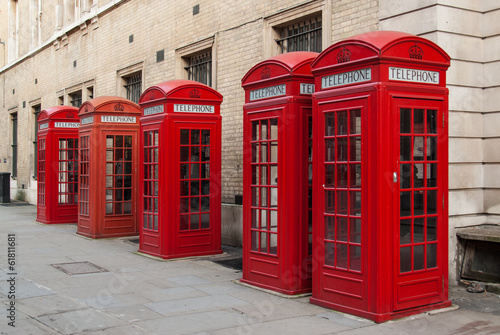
199,193
420,177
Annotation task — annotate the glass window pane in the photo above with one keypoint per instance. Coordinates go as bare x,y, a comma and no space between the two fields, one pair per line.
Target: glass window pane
419,174
431,255
355,203
405,120
405,231
273,221
205,204
255,174
119,141
109,208
274,129
195,187
355,175
342,149
205,187
330,202
405,259
431,202
263,219
263,152
329,254
255,127
184,136
355,149
205,221
342,175
342,123
418,257
330,175
109,141
418,203
263,242
263,175
195,136
184,222
255,218
205,154
128,141
355,230
263,130
342,228
255,241
355,121
330,227
330,150
432,228
405,149
195,221
273,244
205,136
405,175
330,124
418,230
263,196
431,148
405,204
274,152
342,256
418,148
431,121
342,201
195,171
355,258
418,118
273,174
195,154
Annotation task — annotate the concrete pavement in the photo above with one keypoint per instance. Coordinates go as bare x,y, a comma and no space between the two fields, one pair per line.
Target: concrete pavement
134,294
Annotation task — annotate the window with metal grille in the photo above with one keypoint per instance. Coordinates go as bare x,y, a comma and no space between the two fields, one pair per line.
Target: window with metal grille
14,145
76,99
133,85
301,36
200,68
36,111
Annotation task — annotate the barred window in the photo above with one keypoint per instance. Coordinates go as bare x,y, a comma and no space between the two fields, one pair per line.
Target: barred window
200,68
133,86
301,36
76,99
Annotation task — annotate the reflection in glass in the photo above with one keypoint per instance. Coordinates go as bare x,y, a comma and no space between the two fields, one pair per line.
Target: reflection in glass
342,256
329,254
330,202
342,175
405,120
432,228
330,150
418,119
431,255
405,231
405,259
330,124
342,149
418,230
274,129
431,121
418,257
342,123
355,121
418,203
342,228
330,227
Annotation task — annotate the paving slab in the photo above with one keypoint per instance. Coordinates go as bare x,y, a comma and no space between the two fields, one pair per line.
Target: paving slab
79,321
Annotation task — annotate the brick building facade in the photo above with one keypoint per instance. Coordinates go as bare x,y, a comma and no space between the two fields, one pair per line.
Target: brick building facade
66,51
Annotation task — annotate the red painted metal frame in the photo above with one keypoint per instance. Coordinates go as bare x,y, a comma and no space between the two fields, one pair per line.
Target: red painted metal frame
193,161
378,290
53,127
276,233
107,206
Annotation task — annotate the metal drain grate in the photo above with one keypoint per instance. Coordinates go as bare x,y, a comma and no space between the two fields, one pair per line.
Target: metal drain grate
79,268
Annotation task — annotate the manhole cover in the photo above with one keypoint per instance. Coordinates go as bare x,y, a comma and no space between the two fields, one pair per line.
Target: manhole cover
79,268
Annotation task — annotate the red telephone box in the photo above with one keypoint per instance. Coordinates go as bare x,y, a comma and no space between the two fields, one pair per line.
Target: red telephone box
277,173
57,165
180,214
380,207
109,163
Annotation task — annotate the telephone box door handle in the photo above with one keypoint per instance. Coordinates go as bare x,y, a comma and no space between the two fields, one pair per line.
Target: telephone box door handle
395,177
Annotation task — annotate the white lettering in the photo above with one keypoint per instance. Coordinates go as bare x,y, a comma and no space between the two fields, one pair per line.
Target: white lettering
413,75
306,88
345,78
153,110
43,126
184,108
268,92
66,124
87,120
117,119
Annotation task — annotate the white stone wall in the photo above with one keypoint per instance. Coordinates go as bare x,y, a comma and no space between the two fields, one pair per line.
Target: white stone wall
470,32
